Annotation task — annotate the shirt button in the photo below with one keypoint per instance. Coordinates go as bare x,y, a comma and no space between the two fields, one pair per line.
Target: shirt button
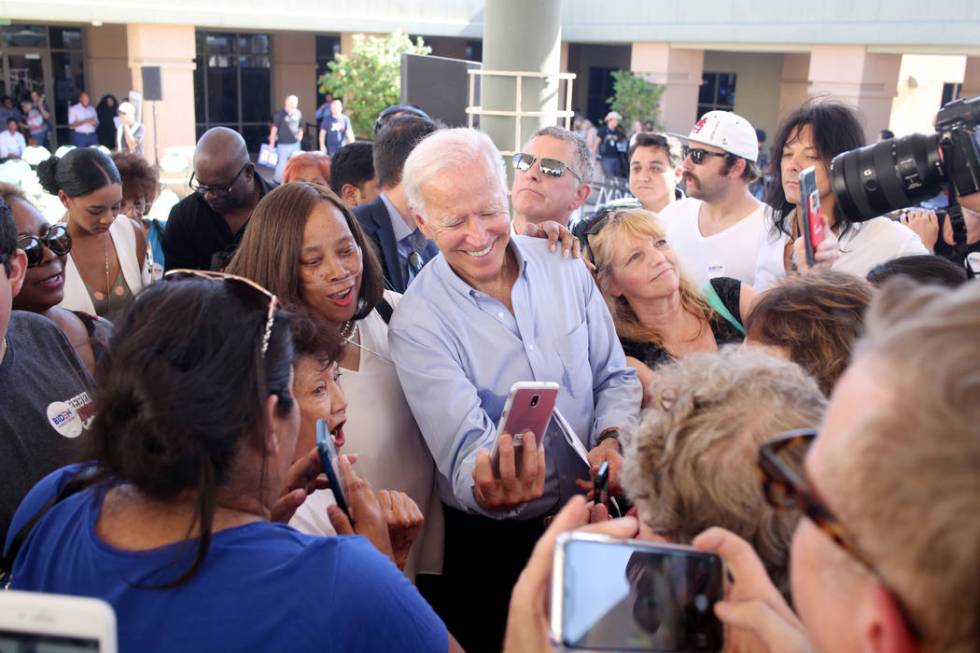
530,347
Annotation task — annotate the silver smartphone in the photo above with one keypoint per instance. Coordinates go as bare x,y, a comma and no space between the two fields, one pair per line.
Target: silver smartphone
630,595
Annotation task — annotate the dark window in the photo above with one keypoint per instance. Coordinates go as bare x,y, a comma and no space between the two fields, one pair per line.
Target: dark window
66,38
600,90
327,47
951,91
474,50
233,84
24,36
717,92
69,81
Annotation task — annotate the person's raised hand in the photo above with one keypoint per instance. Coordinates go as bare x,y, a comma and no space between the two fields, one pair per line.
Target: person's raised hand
528,618
510,489
925,224
755,614
824,255
303,478
404,520
365,511
609,451
556,233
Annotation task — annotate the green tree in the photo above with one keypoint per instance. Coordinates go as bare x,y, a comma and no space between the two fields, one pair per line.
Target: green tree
635,98
369,77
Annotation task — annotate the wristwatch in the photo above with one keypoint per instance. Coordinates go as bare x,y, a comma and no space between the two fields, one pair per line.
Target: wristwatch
607,434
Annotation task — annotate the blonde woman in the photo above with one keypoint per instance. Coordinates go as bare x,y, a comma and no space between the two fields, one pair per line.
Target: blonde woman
659,314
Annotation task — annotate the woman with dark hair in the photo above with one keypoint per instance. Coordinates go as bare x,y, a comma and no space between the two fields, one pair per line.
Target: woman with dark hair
140,182
811,136
927,269
106,111
304,244
194,435
108,262
47,246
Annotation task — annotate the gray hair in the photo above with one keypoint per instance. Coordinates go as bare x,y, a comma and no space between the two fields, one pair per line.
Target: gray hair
583,158
449,149
691,464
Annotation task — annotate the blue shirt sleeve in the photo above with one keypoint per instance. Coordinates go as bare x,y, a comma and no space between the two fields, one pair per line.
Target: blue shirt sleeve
399,618
45,489
618,393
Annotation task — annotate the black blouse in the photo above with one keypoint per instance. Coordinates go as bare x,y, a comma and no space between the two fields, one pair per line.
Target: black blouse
730,292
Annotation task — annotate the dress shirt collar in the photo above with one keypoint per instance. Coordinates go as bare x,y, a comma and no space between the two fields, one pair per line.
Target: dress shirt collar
398,225
443,269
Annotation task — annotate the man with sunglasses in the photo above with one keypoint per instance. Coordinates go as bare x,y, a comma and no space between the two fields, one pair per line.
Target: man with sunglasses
715,230
551,178
205,228
887,556
44,402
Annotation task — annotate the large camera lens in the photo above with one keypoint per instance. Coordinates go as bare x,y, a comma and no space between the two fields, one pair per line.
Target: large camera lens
880,178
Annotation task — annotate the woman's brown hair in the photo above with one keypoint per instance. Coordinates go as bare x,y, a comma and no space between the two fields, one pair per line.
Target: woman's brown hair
270,251
817,317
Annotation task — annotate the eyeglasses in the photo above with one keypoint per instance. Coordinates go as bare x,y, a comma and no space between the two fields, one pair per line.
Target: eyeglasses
600,219
236,282
56,238
785,486
204,189
550,167
697,154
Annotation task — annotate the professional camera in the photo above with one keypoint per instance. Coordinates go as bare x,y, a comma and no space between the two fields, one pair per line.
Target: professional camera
900,172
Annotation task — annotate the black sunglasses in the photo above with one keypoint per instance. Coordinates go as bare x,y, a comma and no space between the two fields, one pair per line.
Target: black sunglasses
56,238
786,486
214,189
594,224
698,154
550,167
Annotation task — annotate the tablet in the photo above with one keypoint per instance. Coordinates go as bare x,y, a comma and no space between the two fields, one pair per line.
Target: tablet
53,623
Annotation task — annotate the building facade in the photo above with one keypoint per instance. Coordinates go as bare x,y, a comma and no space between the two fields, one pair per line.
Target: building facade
231,64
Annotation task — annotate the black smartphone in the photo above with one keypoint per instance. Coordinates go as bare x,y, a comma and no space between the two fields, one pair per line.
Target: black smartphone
331,464
628,595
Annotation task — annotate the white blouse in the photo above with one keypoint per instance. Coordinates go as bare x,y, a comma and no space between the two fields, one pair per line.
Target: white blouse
391,453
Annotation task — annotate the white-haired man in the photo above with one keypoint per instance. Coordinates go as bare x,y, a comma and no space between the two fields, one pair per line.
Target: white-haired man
490,311
715,230
286,133
551,178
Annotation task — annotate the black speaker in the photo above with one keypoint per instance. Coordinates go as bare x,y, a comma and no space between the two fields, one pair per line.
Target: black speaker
152,86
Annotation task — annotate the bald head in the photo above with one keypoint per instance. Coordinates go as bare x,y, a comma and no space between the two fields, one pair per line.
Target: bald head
221,161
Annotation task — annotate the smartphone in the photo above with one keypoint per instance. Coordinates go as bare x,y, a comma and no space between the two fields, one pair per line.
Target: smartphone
813,223
602,495
528,408
331,464
628,595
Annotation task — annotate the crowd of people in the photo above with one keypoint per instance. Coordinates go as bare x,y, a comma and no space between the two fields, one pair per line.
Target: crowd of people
162,385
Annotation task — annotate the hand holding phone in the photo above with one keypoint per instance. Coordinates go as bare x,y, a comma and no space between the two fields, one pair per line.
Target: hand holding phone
331,464
528,408
812,215
628,595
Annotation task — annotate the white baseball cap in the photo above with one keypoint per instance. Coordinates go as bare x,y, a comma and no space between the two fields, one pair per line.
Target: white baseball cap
727,131
127,108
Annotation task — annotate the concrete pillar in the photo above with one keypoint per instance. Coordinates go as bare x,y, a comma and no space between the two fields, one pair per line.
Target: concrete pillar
172,48
519,36
294,71
971,78
865,80
680,71
794,85
106,64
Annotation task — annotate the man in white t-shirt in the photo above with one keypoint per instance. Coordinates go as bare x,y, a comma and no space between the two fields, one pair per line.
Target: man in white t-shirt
83,119
715,230
12,143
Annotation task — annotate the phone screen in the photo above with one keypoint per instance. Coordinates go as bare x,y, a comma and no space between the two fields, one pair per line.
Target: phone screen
630,596
812,213
331,464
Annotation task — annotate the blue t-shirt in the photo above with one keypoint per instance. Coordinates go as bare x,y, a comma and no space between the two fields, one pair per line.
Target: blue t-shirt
263,587
336,129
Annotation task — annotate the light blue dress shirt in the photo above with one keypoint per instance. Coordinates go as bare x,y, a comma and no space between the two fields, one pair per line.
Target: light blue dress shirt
407,240
458,351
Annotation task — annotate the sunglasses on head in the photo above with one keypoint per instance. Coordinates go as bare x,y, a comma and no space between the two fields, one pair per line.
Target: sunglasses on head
698,154
785,486
550,167
56,238
594,224
253,290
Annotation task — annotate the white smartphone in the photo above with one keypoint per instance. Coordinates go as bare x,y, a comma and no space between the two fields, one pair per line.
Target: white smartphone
32,621
629,595
528,408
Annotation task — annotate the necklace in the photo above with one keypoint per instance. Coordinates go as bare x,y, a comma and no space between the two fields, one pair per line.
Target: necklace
347,330
351,340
